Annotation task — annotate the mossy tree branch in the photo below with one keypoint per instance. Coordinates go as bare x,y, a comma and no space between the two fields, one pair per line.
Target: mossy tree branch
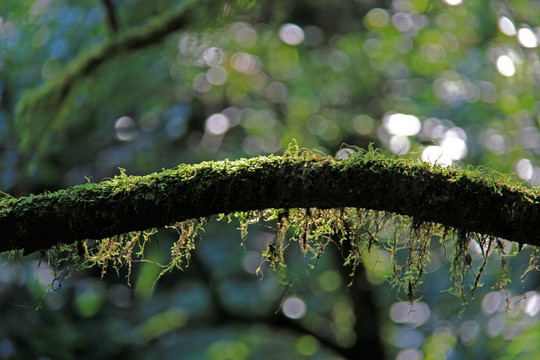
464,199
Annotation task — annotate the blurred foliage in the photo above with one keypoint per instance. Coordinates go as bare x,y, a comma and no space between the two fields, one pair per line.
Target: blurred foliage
462,79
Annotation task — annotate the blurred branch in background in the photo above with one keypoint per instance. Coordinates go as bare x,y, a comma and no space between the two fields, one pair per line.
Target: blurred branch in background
456,81
110,12
367,339
47,101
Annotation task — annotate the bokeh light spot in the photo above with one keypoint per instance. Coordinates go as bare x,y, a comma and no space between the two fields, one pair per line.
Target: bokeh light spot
524,169
468,331
294,307
244,34
307,345
377,18
126,129
378,266
531,304
401,124
505,66
506,26
213,56
414,315
217,124
407,338
276,92
291,34
373,48
363,124
488,92
345,153
496,142
403,44
216,75
252,145
317,125
244,63
338,60
449,41
527,38
399,144
433,53
329,280
492,302
200,83
453,2
402,21
436,155
495,325
410,354
454,148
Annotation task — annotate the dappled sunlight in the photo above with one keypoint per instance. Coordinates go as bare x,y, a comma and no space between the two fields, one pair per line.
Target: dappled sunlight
294,307
401,124
524,169
244,63
453,2
531,303
126,129
411,314
469,331
436,155
506,26
505,66
441,85
410,354
217,124
216,75
291,34
527,38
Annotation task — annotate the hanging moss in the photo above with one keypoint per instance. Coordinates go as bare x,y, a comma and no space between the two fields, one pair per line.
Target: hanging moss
365,201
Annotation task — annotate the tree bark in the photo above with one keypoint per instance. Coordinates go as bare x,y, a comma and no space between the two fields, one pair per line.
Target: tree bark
452,197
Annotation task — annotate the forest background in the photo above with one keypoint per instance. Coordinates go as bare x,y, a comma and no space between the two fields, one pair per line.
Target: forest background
449,82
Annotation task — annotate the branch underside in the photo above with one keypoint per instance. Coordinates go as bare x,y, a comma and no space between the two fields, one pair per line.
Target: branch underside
131,203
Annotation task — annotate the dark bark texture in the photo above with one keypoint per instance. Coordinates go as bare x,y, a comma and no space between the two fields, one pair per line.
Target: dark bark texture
465,200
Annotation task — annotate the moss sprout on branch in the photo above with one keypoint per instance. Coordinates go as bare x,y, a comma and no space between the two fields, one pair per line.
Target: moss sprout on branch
314,199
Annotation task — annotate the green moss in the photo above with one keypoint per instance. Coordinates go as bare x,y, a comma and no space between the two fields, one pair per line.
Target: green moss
362,203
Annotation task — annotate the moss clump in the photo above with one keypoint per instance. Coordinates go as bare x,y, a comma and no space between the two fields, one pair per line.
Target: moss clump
365,201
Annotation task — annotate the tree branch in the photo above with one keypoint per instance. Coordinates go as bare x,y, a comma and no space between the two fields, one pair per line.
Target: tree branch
462,199
110,12
47,101
87,63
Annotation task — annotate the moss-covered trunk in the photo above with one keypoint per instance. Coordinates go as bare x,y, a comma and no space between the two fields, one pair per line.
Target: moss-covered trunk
455,198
